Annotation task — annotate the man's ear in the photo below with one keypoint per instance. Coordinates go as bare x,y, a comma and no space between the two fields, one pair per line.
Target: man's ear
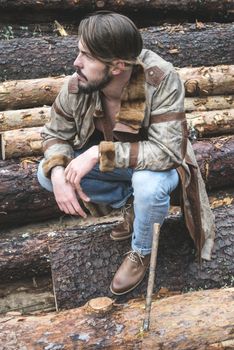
118,67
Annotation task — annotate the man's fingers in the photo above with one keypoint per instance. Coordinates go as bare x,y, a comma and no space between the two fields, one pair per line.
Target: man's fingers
67,208
81,194
73,179
70,176
79,210
72,208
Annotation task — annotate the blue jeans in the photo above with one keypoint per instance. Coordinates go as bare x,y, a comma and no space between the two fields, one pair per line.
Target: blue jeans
151,190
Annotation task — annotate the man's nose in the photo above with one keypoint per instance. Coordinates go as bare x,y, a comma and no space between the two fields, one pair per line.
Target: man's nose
78,62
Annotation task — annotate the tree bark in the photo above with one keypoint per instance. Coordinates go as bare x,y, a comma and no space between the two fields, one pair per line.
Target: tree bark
21,143
202,81
184,5
24,251
27,295
96,257
212,43
210,123
208,103
29,93
221,116
24,118
83,258
22,200
211,155
28,142
198,320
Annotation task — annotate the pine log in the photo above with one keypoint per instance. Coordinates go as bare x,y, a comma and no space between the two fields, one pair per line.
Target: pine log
184,5
202,81
21,143
31,117
29,93
28,142
24,251
208,103
200,320
10,30
212,42
26,118
22,200
215,161
210,123
27,295
83,258
94,255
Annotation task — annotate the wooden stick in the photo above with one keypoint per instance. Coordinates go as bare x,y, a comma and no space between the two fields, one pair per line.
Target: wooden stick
153,260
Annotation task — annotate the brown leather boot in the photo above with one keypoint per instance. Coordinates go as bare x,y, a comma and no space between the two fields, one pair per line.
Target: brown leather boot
130,273
124,229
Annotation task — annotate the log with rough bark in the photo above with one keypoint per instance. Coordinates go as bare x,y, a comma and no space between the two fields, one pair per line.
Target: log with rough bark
215,160
210,123
27,118
184,5
197,320
82,268
21,143
83,258
212,43
31,117
28,142
202,81
27,295
208,103
22,200
29,93
208,80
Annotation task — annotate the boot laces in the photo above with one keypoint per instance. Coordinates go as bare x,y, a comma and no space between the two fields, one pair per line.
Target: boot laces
125,209
135,256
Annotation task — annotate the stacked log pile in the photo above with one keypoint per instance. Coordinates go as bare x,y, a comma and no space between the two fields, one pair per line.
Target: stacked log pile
101,324
50,261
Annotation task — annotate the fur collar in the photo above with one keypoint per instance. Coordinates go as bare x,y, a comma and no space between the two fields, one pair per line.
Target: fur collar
131,114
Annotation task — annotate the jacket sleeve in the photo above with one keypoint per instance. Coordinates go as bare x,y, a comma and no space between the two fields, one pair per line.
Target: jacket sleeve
58,133
167,132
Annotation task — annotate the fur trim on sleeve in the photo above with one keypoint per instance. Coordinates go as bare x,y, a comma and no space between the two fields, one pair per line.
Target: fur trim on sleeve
106,156
50,163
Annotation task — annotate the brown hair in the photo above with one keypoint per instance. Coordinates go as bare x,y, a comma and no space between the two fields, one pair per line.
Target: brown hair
108,36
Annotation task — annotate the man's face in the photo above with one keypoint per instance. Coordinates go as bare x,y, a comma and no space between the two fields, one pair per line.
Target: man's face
93,74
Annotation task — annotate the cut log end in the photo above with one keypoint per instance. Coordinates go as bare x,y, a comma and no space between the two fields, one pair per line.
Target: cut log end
100,305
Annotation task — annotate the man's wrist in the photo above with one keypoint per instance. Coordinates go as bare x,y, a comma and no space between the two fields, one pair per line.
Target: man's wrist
95,153
58,169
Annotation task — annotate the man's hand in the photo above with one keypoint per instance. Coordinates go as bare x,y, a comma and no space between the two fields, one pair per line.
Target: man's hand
65,194
79,167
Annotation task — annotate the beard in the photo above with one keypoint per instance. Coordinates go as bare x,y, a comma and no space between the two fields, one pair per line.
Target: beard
96,85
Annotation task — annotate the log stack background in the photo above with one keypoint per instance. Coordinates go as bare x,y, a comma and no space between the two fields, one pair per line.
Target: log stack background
49,260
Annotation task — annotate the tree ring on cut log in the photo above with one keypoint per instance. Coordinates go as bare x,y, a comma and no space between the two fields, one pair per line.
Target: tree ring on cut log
100,305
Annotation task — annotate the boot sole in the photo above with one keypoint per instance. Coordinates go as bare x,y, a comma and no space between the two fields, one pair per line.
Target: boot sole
121,238
129,290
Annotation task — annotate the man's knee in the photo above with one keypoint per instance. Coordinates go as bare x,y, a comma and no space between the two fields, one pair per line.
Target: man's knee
147,184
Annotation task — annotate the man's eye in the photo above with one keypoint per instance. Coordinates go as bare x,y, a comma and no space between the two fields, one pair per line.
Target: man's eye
89,56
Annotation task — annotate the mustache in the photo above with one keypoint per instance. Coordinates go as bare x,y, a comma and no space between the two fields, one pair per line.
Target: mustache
78,71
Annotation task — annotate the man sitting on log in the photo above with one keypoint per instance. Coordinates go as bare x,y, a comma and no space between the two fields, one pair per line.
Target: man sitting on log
117,136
